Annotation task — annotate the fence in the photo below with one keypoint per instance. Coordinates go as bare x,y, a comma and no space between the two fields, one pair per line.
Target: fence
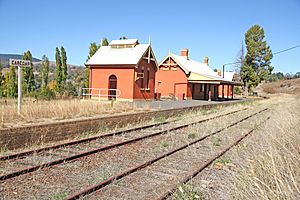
101,93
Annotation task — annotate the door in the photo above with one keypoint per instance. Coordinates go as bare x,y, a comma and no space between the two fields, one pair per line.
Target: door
112,86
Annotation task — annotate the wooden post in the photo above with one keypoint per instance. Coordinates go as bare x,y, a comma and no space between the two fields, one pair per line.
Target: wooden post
227,91
19,90
223,91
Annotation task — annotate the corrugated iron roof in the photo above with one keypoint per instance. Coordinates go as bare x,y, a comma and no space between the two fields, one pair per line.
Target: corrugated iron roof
106,55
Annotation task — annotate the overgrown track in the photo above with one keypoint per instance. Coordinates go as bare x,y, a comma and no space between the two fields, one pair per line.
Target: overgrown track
110,180
61,153
206,164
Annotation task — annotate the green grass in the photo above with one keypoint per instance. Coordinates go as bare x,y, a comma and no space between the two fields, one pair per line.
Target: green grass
192,135
187,192
59,195
159,119
3,151
217,142
224,161
164,144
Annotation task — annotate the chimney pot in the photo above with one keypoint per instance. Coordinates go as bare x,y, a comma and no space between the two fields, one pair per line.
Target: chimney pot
206,60
184,52
219,72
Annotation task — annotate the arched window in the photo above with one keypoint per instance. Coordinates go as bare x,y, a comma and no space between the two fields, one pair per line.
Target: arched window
112,86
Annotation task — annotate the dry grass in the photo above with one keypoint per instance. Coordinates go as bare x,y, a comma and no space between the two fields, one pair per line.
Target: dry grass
268,165
41,111
283,86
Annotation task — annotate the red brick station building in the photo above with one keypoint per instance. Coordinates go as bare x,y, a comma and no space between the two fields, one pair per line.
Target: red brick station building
128,70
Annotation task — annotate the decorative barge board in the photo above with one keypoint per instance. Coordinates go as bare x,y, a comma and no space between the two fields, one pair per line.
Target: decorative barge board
123,70
183,78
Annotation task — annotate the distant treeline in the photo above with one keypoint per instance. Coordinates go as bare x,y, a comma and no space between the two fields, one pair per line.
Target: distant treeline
42,82
280,76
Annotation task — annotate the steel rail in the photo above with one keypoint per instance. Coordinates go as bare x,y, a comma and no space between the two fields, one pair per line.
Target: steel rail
83,154
25,153
207,163
74,142
108,181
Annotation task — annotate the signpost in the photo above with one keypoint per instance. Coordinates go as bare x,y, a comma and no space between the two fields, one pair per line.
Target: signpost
19,64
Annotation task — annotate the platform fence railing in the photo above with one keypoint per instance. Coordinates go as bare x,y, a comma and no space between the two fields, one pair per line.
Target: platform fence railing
100,93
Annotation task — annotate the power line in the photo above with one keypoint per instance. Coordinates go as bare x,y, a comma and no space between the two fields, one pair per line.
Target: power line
287,49
294,47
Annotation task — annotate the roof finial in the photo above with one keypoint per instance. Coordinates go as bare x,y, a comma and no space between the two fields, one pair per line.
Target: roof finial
149,40
169,52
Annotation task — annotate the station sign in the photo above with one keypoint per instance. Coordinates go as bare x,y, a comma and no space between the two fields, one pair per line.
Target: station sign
18,62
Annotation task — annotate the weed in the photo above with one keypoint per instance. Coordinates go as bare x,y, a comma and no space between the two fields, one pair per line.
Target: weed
217,142
224,161
164,144
59,195
3,151
160,119
192,135
187,191
87,134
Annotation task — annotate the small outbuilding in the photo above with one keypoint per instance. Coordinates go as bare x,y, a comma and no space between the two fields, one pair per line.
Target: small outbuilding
123,70
183,78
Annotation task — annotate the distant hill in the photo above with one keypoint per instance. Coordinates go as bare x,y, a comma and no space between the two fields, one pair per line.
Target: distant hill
4,59
73,70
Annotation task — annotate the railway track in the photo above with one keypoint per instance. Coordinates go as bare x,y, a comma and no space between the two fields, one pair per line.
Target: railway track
25,162
183,179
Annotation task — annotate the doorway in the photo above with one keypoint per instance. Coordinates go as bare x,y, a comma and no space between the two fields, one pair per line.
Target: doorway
112,86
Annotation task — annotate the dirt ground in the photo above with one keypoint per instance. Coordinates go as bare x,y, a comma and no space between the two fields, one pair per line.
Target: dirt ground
265,165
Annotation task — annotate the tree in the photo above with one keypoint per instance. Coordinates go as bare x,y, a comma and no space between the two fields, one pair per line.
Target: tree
288,76
1,82
5,84
28,81
257,64
297,75
105,42
239,61
86,79
45,72
92,50
12,86
58,70
64,67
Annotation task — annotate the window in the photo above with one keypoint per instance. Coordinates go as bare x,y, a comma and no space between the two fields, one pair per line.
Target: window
159,84
140,75
142,80
147,78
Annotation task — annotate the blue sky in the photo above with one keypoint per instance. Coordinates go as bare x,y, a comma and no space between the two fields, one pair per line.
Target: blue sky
213,28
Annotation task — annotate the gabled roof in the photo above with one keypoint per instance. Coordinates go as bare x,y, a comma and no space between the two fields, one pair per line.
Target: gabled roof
191,66
107,55
227,75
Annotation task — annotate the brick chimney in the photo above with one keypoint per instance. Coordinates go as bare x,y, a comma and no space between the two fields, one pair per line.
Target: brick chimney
205,60
184,52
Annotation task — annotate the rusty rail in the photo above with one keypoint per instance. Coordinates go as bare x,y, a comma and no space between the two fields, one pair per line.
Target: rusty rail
69,158
206,164
108,181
